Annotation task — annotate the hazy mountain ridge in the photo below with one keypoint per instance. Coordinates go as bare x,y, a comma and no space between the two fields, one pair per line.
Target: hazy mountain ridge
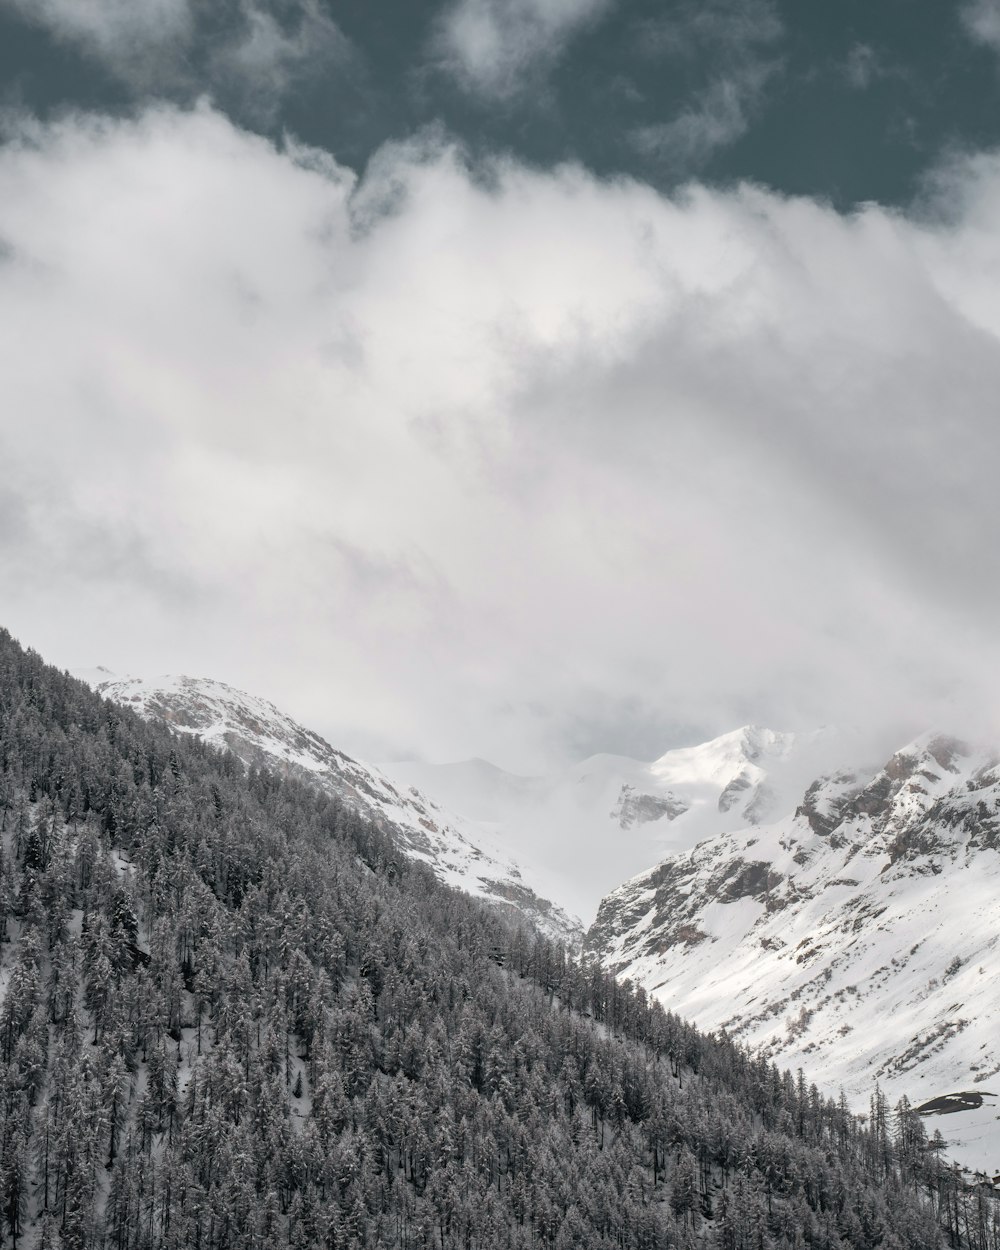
601,821
858,937
260,734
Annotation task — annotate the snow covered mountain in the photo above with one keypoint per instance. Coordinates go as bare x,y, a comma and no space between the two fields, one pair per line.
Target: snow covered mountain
858,937
461,853
599,822
841,918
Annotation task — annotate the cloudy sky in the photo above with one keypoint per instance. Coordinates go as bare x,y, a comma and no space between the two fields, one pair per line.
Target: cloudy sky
513,378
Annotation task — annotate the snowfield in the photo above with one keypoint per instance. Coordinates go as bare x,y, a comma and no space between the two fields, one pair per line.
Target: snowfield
857,938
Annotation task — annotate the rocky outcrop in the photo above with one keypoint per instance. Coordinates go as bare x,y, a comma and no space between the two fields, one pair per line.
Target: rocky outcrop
639,809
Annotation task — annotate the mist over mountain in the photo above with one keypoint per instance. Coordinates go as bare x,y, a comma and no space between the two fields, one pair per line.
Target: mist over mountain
857,936
459,852
604,819
826,910
231,1013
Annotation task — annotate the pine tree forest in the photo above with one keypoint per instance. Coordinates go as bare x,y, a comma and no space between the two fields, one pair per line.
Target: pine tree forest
232,1017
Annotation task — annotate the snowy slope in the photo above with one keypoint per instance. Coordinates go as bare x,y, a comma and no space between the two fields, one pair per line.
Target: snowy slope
599,822
461,853
858,938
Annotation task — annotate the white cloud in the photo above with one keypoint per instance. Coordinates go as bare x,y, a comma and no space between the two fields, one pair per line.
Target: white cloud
499,47
267,57
153,45
126,34
982,19
471,464
736,40
716,117
862,66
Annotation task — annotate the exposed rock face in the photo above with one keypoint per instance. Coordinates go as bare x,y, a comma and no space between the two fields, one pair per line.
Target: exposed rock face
826,801
859,937
736,790
260,735
638,809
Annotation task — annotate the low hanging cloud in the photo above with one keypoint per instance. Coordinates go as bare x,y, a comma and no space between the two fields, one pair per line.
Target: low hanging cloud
494,461
499,48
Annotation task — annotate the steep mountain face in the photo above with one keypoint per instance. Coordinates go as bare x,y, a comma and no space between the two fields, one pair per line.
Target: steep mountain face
603,820
858,937
460,853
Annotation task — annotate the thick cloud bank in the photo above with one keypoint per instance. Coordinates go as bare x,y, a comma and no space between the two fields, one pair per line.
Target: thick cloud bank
496,462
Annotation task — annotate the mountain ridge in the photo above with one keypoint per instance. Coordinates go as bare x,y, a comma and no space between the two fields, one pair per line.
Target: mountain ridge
858,936
608,817
259,734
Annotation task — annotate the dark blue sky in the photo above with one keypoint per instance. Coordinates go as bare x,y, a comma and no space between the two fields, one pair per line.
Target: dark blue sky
850,101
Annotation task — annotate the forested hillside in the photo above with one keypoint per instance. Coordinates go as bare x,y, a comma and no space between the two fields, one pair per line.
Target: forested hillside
233,1016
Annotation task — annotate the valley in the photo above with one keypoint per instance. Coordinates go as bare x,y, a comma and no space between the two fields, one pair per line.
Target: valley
843,919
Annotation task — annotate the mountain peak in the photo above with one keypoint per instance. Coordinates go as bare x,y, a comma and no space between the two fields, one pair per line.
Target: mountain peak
856,933
720,759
